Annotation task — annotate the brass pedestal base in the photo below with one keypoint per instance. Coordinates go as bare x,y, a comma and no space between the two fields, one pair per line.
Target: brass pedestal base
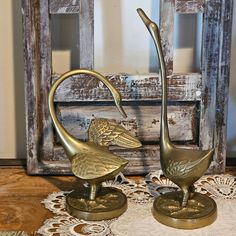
109,203
200,211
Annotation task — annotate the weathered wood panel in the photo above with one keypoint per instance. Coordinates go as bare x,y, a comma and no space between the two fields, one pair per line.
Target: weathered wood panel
189,6
222,87
86,34
143,121
64,6
210,90
37,52
30,11
167,12
141,160
215,70
186,87
45,131
38,125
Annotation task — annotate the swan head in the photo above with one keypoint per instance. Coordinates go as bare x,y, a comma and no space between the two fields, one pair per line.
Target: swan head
149,24
143,16
118,100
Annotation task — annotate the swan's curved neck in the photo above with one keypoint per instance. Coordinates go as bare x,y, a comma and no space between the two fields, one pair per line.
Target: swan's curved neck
70,143
154,31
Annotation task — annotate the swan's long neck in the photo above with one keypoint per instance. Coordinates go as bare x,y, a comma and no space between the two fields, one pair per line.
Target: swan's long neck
164,136
70,143
154,31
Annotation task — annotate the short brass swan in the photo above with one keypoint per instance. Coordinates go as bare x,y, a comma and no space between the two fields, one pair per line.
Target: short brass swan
182,166
92,161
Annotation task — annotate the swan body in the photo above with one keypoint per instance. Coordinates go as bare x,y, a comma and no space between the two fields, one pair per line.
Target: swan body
182,166
96,164
92,161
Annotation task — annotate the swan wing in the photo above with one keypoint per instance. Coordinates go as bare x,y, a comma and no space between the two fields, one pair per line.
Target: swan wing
106,132
96,164
181,169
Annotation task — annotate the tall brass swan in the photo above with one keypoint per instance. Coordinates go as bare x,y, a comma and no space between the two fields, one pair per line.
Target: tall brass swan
92,161
182,166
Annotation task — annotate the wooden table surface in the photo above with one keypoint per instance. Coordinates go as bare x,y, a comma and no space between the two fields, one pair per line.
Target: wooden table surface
20,197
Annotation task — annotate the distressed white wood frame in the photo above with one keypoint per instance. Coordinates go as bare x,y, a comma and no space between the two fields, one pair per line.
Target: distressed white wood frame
198,101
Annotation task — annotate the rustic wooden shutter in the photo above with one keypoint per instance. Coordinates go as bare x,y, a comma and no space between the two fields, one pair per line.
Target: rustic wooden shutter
197,101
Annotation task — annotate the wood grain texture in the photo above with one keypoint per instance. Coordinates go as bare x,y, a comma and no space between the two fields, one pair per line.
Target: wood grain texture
167,11
64,6
21,196
30,10
45,128
215,70
185,87
143,121
189,6
86,34
222,86
37,52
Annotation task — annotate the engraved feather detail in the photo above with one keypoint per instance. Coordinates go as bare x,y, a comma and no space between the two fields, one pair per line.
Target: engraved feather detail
95,165
106,132
177,169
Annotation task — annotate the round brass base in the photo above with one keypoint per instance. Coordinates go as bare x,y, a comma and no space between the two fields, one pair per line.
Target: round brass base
109,203
200,211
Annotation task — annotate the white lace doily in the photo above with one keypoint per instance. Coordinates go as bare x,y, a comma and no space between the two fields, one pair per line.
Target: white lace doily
138,220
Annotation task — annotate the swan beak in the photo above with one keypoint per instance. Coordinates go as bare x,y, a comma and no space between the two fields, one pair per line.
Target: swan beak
121,110
144,17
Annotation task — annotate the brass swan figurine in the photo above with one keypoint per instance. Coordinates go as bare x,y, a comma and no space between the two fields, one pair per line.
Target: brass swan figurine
182,166
92,161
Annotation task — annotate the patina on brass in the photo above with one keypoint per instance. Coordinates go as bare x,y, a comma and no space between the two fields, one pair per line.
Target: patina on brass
92,161
185,209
